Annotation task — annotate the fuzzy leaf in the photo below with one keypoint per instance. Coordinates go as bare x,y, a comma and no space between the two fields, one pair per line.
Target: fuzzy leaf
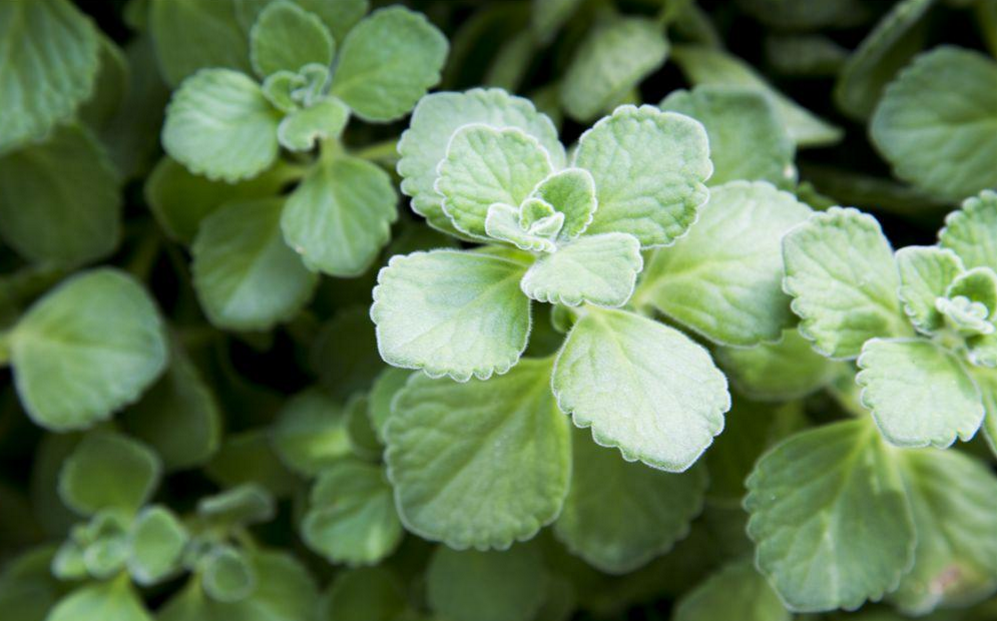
193,34
241,505
338,16
479,464
486,586
227,575
287,37
736,591
571,192
925,275
310,434
108,470
302,129
601,269
504,223
157,542
971,232
382,393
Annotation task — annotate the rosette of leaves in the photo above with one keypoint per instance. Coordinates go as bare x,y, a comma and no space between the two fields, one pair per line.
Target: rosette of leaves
486,166
256,252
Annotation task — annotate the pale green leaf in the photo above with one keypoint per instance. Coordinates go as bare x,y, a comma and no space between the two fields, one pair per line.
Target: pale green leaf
434,121
747,139
366,594
942,103
954,502
59,200
302,129
193,34
649,168
88,347
50,57
382,394
220,125
925,275
451,313
977,291
724,279
340,216
388,61
114,600
109,470
736,591
479,464
830,518
572,193
486,586
287,37
600,269
615,56
157,542
339,16
919,393
986,381
971,232
309,434
484,166
843,278
643,387
245,275
505,223
618,515
239,506
351,515
227,575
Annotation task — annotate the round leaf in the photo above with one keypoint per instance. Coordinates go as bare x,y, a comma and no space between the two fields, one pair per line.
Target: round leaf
287,37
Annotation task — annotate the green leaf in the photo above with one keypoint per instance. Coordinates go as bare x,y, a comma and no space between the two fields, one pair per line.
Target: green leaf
643,387
340,216
309,434
388,61
245,504
366,594
344,353
705,66
925,275
615,56
806,14
114,600
339,16
109,89
245,275
434,121
27,587
302,129
787,369
843,278
193,34
88,347
50,59
886,49
978,288
157,542
382,394
479,464
484,166
830,518
60,200
600,269
954,502
736,591
486,586
571,192
220,125
649,168
747,139
287,37
971,232
506,223
248,458
724,279
103,543
941,103
475,322
109,470
351,516
919,393
986,381
618,516
227,575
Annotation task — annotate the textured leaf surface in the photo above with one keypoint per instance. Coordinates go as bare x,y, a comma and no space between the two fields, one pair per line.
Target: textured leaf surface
649,168
736,591
643,387
108,470
571,192
830,518
971,232
191,35
925,275
724,279
486,586
451,313
287,37
479,464
310,432
601,269
302,129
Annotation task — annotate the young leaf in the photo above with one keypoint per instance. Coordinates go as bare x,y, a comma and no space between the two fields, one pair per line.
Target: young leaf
245,275
227,575
239,506
475,323
643,387
830,518
843,278
388,61
479,464
747,139
724,279
156,542
113,600
505,223
338,17
941,103
601,269
649,168
220,125
434,121
340,216
351,516
90,346
919,393
484,166
50,58
572,193
486,586
736,591
979,287
60,200
615,56
925,275
310,432
287,37
954,502
618,515
108,470
191,34
971,232
302,129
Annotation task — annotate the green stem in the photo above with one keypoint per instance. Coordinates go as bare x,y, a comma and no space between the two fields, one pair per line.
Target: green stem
379,151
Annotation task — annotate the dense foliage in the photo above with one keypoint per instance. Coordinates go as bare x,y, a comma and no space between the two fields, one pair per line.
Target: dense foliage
525,310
